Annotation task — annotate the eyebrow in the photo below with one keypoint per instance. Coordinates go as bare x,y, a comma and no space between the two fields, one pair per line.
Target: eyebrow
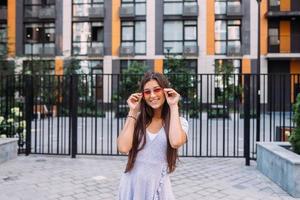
153,88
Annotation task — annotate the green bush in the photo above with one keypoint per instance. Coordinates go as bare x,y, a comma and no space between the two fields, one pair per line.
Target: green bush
295,136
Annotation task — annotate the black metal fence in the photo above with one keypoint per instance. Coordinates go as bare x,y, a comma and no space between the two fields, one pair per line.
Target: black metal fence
84,114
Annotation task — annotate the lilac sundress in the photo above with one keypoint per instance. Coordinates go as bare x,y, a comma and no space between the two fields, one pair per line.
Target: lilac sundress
149,180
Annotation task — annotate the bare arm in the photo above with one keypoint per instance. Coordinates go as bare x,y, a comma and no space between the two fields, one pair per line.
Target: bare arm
126,136
177,135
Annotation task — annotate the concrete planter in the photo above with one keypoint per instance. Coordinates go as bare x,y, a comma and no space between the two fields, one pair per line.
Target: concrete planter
281,165
8,149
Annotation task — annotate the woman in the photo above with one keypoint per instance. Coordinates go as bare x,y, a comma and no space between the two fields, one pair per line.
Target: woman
152,133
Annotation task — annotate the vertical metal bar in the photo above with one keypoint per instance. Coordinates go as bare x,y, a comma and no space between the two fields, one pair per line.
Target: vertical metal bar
247,119
28,107
74,106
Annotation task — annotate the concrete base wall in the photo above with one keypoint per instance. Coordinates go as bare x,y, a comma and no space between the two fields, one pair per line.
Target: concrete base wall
8,149
280,165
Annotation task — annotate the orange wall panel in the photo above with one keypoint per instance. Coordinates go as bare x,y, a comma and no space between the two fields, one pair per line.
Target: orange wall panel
59,69
158,65
11,28
210,27
264,27
116,27
285,36
285,5
246,66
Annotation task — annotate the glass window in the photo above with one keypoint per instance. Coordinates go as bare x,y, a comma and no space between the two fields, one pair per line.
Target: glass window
134,35
139,6
39,38
273,36
274,2
81,7
227,37
178,34
33,7
88,38
220,7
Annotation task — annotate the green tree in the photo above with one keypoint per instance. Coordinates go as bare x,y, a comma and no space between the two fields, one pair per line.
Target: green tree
184,81
295,136
127,84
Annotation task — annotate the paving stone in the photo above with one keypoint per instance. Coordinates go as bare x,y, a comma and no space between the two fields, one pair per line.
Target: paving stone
97,177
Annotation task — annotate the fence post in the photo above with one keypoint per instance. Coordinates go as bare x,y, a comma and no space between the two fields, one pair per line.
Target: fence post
28,111
73,112
247,118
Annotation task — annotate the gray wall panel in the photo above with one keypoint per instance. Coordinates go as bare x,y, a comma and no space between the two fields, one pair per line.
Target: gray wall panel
107,27
19,28
159,27
150,64
246,28
59,27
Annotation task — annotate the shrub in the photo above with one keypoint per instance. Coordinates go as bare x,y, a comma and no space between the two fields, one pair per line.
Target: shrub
295,136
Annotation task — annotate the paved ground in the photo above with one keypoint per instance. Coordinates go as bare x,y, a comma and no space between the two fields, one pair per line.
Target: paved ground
62,178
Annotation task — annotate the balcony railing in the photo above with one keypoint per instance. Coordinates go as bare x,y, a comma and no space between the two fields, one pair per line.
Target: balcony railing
190,10
190,50
284,43
40,12
234,9
47,12
127,51
96,12
127,11
234,49
3,13
95,51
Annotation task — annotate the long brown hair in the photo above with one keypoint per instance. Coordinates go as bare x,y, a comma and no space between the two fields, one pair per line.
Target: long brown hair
145,118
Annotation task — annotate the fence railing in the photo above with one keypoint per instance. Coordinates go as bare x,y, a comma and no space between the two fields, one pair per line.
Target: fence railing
84,114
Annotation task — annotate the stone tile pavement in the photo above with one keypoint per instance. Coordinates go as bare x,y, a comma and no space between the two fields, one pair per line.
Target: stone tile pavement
38,177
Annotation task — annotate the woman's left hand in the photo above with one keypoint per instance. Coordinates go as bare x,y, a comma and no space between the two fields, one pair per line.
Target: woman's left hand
172,96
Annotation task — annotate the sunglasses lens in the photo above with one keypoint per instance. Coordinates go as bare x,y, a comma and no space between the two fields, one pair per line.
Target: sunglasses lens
148,92
157,90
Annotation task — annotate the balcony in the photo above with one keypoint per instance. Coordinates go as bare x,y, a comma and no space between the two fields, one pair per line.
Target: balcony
283,14
190,10
190,50
96,12
47,12
127,51
234,49
127,11
95,51
3,13
234,9
284,44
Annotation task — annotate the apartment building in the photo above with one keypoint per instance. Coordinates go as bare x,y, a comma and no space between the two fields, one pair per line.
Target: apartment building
107,35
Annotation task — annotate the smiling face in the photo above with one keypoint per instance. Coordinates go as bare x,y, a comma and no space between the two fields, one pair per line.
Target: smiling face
153,94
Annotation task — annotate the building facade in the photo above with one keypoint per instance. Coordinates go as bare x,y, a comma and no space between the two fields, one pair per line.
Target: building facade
105,36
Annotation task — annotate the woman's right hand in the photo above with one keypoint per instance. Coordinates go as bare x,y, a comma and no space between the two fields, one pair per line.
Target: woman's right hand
134,102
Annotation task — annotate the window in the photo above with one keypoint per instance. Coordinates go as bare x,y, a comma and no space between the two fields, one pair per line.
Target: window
3,3
33,8
222,7
40,38
273,36
134,35
227,37
81,7
124,64
139,6
39,67
3,39
175,7
87,38
178,34
274,3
